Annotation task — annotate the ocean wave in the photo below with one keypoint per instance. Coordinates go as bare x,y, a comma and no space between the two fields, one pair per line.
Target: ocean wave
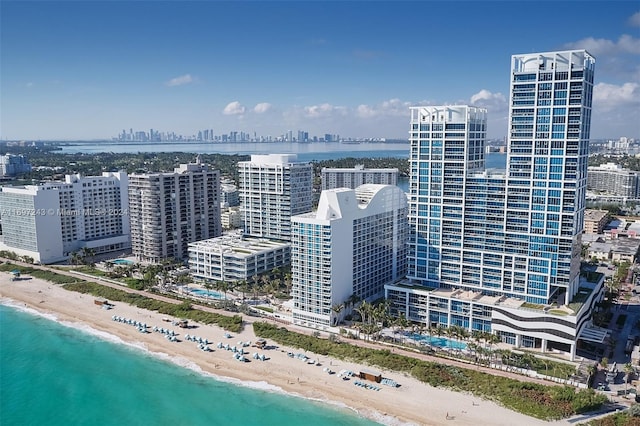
24,308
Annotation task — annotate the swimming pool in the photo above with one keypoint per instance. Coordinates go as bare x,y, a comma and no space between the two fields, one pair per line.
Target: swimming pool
204,293
441,342
122,262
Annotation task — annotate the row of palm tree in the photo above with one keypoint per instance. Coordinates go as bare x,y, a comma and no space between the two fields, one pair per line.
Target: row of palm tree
374,316
84,256
273,283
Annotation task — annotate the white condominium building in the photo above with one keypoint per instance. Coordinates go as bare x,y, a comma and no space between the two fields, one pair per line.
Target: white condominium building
170,210
50,221
353,178
273,188
233,257
611,179
354,244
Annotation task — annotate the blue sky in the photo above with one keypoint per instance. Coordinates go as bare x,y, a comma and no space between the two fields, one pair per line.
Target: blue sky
88,69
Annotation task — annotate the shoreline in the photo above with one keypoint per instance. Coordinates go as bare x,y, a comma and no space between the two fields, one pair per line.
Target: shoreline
413,403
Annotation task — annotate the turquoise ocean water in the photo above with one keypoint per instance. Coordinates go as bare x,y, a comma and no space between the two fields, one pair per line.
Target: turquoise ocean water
52,374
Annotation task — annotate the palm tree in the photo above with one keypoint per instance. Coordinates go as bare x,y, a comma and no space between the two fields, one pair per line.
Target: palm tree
254,287
628,369
592,369
336,309
400,322
351,302
75,258
209,286
276,273
243,286
86,256
288,282
365,310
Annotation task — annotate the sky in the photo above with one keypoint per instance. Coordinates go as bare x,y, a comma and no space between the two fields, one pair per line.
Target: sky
89,69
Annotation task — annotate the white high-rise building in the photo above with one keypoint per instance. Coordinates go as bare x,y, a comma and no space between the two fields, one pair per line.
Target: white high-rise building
483,243
50,221
273,188
333,177
170,210
354,244
11,165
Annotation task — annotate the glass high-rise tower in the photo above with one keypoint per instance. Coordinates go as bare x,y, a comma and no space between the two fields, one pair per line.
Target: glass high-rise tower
486,242
550,116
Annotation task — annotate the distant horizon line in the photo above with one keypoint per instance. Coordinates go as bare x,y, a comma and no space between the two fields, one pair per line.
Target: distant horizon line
183,141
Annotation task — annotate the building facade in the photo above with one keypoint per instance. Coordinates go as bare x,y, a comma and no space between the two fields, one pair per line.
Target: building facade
515,237
353,178
611,179
354,244
273,188
48,222
231,218
170,210
229,195
12,165
595,221
233,258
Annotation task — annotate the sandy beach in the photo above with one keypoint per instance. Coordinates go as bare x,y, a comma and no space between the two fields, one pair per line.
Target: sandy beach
413,403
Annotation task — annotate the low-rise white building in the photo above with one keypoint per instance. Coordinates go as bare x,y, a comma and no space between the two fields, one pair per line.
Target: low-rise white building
231,218
234,257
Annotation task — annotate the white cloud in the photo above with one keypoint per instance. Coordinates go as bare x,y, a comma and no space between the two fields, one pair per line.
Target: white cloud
391,107
605,47
365,111
180,81
324,110
262,107
634,20
29,84
234,108
609,96
494,102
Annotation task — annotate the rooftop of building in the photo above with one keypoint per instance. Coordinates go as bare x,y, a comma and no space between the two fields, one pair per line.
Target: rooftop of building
237,243
634,226
587,285
273,159
595,215
600,246
358,167
627,246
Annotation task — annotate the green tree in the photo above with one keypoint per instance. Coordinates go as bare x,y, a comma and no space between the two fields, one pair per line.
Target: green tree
209,286
629,370
337,309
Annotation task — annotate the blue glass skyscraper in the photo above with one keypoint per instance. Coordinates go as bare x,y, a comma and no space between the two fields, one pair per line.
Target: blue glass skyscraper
486,242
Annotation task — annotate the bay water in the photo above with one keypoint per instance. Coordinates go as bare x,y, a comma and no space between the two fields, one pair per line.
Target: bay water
312,151
56,375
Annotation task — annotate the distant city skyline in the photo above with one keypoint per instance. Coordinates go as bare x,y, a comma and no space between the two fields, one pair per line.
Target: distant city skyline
81,70
209,135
